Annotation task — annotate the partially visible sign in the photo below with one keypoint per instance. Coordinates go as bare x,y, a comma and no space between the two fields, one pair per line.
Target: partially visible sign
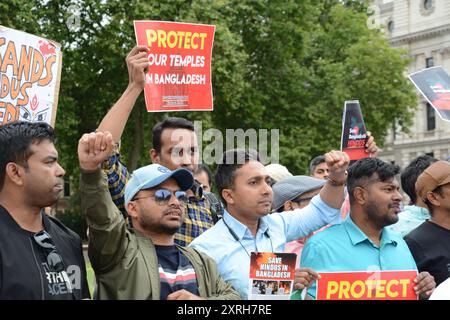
377,285
179,76
434,85
271,275
30,71
354,135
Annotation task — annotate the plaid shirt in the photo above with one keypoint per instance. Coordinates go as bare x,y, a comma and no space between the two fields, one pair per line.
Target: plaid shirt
197,219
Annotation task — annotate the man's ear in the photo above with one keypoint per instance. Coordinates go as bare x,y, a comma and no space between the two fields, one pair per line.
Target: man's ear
360,195
228,196
154,155
15,173
433,199
132,210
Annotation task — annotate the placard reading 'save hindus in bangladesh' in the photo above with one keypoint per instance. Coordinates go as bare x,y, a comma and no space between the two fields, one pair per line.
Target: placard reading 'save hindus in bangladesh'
271,275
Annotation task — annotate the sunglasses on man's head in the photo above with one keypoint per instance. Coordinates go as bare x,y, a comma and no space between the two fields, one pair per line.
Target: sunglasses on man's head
54,259
162,196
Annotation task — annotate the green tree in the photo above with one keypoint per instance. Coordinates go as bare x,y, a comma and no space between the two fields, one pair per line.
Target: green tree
305,58
283,64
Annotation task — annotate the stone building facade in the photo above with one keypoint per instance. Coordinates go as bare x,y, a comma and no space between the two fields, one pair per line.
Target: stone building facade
422,28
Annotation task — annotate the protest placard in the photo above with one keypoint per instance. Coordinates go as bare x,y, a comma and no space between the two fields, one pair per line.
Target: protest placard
354,135
434,85
179,76
30,73
374,285
271,275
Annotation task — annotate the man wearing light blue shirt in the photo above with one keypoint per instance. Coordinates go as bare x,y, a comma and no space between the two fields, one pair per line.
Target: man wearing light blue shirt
246,226
362,242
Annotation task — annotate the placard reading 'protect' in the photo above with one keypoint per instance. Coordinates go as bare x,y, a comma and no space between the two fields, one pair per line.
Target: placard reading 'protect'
179,76
376,285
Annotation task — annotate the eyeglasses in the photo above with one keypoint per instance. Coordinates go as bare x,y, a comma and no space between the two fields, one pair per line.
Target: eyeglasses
54,259
162,196
302,199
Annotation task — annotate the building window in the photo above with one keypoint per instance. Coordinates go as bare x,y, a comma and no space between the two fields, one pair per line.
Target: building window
427,7
431,154
431,118
429,62
390,26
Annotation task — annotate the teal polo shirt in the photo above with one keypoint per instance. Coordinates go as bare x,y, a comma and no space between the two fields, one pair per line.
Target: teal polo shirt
344,247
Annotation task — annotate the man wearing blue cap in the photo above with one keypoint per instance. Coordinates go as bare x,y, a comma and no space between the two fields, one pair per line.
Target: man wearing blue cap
362,243
143,262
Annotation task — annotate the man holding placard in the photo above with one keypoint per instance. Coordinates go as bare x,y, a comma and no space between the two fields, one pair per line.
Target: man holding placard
175,143
362,244
247,226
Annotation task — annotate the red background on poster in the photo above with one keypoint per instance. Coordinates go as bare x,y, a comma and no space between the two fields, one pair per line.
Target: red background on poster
377,285
180,40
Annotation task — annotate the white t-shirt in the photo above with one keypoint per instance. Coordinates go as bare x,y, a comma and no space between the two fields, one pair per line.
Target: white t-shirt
442,291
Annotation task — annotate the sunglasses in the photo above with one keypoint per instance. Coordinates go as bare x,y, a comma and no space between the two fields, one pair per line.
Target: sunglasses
162,196
54,260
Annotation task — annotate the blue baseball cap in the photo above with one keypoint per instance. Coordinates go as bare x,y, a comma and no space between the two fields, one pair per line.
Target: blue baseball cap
154,174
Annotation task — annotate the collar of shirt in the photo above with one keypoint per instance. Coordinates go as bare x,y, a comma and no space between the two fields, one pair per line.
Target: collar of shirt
417,212
357,236
240,229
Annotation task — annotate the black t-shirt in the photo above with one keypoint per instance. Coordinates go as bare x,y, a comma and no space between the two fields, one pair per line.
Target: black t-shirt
430,246
25,273
57,284
175,271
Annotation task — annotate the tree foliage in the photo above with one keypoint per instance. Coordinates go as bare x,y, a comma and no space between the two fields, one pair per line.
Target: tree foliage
277,64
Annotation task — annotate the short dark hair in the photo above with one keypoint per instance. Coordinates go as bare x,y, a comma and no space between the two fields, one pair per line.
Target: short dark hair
16,139
202,167
315,162
231,161
172,123
362,172
410,174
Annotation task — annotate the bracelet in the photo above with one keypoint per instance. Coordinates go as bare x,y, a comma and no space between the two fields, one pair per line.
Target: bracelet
338,183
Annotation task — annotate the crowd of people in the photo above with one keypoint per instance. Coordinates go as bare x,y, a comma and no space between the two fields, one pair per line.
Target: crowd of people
161,233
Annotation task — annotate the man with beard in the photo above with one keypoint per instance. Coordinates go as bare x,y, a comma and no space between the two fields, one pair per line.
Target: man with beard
246,226
37,252
430,242
175,146
143,262
414,214
362,242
